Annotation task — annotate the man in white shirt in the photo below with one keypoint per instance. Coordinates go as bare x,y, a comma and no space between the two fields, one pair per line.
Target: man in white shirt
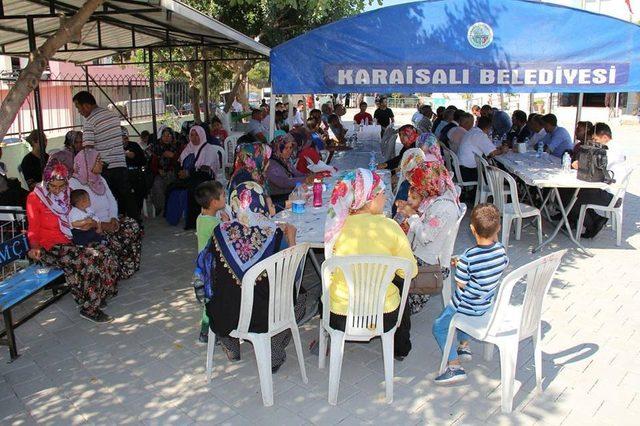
536,125
617,165
446,119
456,134
417,116
295,120
476,141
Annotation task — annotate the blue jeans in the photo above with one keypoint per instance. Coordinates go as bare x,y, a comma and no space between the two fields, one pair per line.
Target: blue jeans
440,330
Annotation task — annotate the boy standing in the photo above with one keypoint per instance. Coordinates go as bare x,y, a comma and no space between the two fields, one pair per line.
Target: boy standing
210,197
363,117
477,275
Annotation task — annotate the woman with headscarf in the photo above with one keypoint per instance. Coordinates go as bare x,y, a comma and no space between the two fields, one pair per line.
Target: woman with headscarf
72,145
199,162
428,143
123,234
408,137
412,157
250,237
310,150
355,225
250,164
281,174
164,166
90,272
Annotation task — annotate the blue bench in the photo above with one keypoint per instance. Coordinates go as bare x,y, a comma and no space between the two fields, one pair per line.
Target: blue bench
21,285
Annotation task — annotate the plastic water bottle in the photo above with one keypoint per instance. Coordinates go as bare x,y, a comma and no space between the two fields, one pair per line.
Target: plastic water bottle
317,193
539,149
566,163
373,164
297,199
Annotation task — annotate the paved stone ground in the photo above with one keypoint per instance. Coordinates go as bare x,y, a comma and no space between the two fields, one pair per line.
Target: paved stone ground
146,367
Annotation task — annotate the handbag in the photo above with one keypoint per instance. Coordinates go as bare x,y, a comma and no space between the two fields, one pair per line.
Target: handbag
592,163
428,281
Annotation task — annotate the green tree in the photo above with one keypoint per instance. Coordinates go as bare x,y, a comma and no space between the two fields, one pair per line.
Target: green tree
269,21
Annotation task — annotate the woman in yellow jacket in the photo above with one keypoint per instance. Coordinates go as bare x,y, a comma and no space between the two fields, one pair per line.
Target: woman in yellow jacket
355,225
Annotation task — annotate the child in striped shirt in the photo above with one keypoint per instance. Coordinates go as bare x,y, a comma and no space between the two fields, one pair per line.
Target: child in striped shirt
477,275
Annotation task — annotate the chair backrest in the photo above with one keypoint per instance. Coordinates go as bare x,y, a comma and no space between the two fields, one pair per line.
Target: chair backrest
621,189
454,163
367,278
282,270
221,156
538,275
496,179
446,153
230,147
447,252
482,165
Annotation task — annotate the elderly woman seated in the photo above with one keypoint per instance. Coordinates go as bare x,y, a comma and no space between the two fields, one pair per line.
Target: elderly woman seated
90,271
355,211
250,237
281,175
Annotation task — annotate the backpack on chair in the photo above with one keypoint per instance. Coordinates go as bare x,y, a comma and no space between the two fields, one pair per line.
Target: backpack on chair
592,163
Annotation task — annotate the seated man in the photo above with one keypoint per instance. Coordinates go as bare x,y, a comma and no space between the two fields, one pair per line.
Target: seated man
425,124
476,141
337,128
363,117
520,130
456,134
538,133
256,127
558,140
31,163
616,163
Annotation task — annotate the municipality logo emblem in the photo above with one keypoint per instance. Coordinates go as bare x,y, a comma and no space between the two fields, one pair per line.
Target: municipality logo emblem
480,35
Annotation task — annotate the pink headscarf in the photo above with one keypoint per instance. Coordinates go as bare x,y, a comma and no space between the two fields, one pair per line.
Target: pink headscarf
352,192
57,204
82,170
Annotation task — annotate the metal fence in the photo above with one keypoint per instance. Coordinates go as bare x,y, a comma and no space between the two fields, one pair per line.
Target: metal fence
130,94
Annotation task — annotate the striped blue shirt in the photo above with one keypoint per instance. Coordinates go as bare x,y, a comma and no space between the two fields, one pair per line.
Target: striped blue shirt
479,269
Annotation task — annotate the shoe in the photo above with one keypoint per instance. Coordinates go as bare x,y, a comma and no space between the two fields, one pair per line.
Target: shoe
204,336
275,369
398,358
464,354
596,228
99,317
451,376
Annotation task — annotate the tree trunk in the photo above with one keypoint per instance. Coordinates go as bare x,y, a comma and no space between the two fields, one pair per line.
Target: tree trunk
241,77
30,76
194,92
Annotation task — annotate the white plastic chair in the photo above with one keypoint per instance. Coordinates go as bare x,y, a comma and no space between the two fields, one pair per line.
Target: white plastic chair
447,252
453,164
221,157
499,179
616,212
506,325
230,148
484,187
367,278
281,269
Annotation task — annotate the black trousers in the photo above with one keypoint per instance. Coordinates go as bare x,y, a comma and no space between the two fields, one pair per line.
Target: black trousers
585,196
402,338
469,174
118,181
137,180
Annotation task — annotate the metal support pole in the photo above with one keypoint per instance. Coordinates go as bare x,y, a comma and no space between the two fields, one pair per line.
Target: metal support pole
86,77
272,116
37,103
579,108
205,95
152,94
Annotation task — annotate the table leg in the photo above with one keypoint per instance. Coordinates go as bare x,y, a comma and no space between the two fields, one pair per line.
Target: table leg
545,200
314,262
564,221
330,157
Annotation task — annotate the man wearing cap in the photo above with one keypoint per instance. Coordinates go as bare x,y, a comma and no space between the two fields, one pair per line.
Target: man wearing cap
101,130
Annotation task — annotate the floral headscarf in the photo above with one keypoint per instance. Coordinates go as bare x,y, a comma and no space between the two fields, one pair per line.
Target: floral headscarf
82,170
251,159
429,144
250,235
58,204
352,192
411,159
280,143
431,180
410,133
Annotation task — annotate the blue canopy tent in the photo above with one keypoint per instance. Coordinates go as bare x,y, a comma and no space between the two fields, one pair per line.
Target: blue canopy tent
462,46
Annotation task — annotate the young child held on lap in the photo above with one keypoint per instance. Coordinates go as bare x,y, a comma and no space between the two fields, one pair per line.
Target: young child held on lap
210,196
85,226
477,274
408,208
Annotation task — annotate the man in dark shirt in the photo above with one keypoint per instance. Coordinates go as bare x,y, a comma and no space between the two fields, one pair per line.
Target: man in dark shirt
136,165
520,131
31,166
383,114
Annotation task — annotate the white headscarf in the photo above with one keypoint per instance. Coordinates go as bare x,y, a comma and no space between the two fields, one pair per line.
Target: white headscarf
207,156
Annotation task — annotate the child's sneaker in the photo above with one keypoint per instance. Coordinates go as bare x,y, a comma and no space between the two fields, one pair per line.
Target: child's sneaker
464,353
451,376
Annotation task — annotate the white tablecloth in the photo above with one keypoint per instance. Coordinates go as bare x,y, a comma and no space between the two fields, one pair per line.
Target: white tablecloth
543,172
310,224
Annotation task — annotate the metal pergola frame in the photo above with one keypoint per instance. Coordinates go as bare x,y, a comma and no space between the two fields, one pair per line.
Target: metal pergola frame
152,25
